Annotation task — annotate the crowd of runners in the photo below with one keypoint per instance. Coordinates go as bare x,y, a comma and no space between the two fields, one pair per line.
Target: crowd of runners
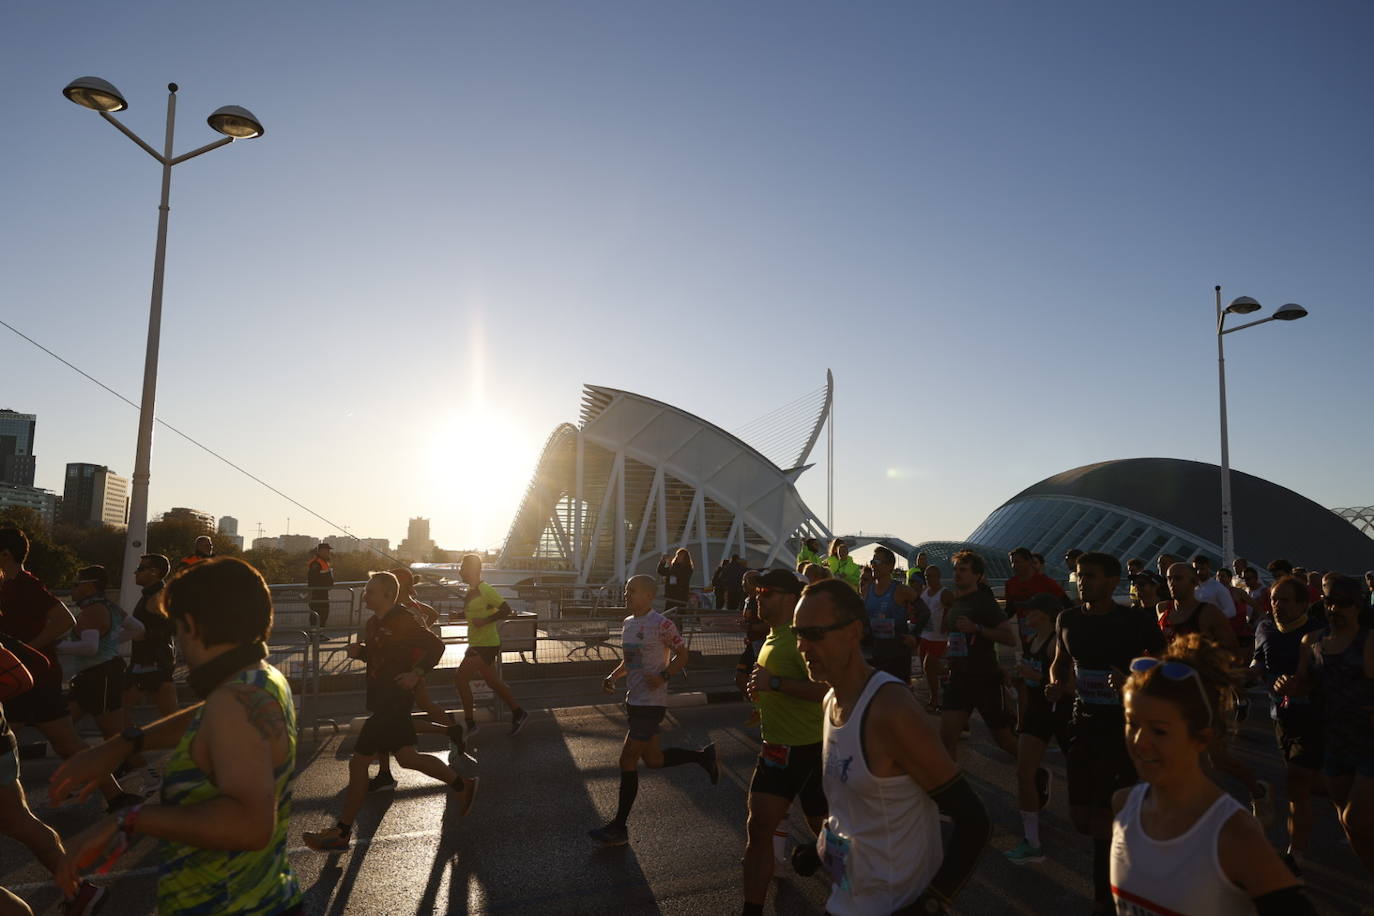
1142,700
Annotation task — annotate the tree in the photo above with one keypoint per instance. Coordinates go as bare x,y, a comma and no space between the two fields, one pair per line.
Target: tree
98,545
53,563
175,538
271,562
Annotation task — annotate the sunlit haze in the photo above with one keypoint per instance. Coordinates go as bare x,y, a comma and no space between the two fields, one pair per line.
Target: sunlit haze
1000,224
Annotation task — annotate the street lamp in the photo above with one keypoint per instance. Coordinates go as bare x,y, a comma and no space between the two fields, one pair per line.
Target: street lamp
236,124
1241,305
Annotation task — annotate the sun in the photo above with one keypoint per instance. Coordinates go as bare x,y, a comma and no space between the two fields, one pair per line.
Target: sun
478,461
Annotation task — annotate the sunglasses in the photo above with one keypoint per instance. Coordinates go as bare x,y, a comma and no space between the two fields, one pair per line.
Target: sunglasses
816,634
1175,671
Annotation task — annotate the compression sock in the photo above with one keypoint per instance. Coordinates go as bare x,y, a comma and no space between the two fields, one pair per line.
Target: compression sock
677,756
1102,875
1030,825
629,788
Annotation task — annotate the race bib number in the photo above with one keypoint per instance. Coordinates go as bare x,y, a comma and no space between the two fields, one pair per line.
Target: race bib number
775,755
1026,630
1039,667
957,645
883,628
634,658
834,849
1095,688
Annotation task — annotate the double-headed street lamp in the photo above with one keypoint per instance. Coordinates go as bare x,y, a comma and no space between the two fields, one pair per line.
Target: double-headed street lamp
236,124
1241,305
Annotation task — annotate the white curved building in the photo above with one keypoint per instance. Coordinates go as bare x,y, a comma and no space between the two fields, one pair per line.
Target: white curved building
638,478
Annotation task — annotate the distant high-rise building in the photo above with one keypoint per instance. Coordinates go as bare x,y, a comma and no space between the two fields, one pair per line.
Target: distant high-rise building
16,447
229,530
204,519
296,543
95,495
41,501
266,544
343,543
417,546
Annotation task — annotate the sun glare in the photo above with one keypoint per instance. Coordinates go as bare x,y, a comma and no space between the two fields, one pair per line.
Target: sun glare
478,464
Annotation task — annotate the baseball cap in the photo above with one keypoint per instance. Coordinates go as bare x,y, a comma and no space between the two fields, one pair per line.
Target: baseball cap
324,545
780,580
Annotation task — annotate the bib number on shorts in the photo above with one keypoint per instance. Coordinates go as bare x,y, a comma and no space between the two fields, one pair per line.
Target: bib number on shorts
957,645
775,755
1095,688
834,848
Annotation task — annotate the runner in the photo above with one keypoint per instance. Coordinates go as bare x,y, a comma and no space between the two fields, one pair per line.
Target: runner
1337,665
654,652
815,572
934,638
1297,720
31,614
1043,720
319,575
1180,844
152,658
90,654
223,838
1094,645
485,609
1262,607
789,763
1024,584
1071,564
1147,591
887,778
399,651
1212,590
976,625
1187,614
916,575
889,606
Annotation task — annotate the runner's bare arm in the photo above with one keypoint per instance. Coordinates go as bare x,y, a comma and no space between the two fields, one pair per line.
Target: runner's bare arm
80,774
1248,859
59,623
1216,628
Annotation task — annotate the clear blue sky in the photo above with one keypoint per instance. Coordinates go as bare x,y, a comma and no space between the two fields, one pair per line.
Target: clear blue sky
998,223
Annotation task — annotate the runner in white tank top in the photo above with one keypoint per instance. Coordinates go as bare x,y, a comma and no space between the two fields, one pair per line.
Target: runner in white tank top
935,629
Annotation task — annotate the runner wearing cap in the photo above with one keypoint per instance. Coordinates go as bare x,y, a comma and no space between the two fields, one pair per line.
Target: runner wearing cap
654,653
789,762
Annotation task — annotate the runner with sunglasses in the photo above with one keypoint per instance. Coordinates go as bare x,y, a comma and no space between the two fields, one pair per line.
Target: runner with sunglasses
789,763
1180,843
1094,645
887,777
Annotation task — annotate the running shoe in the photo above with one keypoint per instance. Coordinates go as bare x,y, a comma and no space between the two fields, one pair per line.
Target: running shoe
1042,787
517,722
89,899
1262,806
1025,854
611,835
327,840
708,763
466,795
380,782
122,800
152,782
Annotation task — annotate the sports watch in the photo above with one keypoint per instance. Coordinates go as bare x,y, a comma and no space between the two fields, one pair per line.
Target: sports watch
775,683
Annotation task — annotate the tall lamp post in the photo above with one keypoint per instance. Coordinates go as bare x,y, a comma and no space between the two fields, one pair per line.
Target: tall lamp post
236,124
1241,305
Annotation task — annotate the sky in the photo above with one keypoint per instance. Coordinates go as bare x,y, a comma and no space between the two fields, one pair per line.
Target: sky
998,223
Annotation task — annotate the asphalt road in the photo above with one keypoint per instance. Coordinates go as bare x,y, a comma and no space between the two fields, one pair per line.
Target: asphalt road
524,848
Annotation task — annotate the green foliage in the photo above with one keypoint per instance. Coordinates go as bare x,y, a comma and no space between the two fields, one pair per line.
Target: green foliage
274,565
53,563
93,545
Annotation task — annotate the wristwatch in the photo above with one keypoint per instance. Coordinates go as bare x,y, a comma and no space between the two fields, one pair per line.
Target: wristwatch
134,735
775,683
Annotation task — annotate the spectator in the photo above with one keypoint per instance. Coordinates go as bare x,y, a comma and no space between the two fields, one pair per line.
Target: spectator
319,575
677,578
203,550
841,565
809,553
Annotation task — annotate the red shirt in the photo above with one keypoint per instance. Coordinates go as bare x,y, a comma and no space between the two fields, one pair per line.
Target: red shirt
1018,590
24,604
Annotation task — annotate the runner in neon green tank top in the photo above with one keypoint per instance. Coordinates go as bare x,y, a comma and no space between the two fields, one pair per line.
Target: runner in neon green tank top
227,795
485,609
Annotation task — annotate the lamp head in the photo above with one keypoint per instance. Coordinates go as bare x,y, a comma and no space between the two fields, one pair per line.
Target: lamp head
1242,305
1290,312
95,93
235,121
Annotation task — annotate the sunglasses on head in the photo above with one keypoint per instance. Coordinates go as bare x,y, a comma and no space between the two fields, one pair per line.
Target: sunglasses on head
816,634
1174,671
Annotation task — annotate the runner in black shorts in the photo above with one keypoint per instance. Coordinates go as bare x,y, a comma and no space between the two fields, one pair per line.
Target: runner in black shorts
789,764
975,623
152,658
1094,646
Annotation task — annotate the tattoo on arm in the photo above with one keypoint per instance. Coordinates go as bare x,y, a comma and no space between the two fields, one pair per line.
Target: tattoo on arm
263,711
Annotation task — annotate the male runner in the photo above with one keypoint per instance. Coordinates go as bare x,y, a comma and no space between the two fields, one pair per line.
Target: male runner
226,799
29,612
890,606
1024,584
916,575
399,652
789,763
654,652
319,575
484,610
152,658
887,779
934,639
976,624
1210,589
1094,645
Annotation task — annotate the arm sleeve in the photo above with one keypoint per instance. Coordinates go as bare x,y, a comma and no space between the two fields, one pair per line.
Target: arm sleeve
132,628
972,830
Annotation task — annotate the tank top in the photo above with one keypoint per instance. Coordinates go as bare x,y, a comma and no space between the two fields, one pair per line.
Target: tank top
886,621
881,842
1347,694
107,647
1176,628
1179,876
934,631
214,881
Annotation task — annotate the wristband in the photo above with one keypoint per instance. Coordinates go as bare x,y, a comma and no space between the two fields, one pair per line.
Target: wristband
129,820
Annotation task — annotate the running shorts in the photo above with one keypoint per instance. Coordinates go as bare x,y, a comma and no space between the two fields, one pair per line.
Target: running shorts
898,666
1301,739
644,720
44,703
385,731
1098,765
488,654
1349,754
1047,722
149,681
99,689
933,648
965,693
792,772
